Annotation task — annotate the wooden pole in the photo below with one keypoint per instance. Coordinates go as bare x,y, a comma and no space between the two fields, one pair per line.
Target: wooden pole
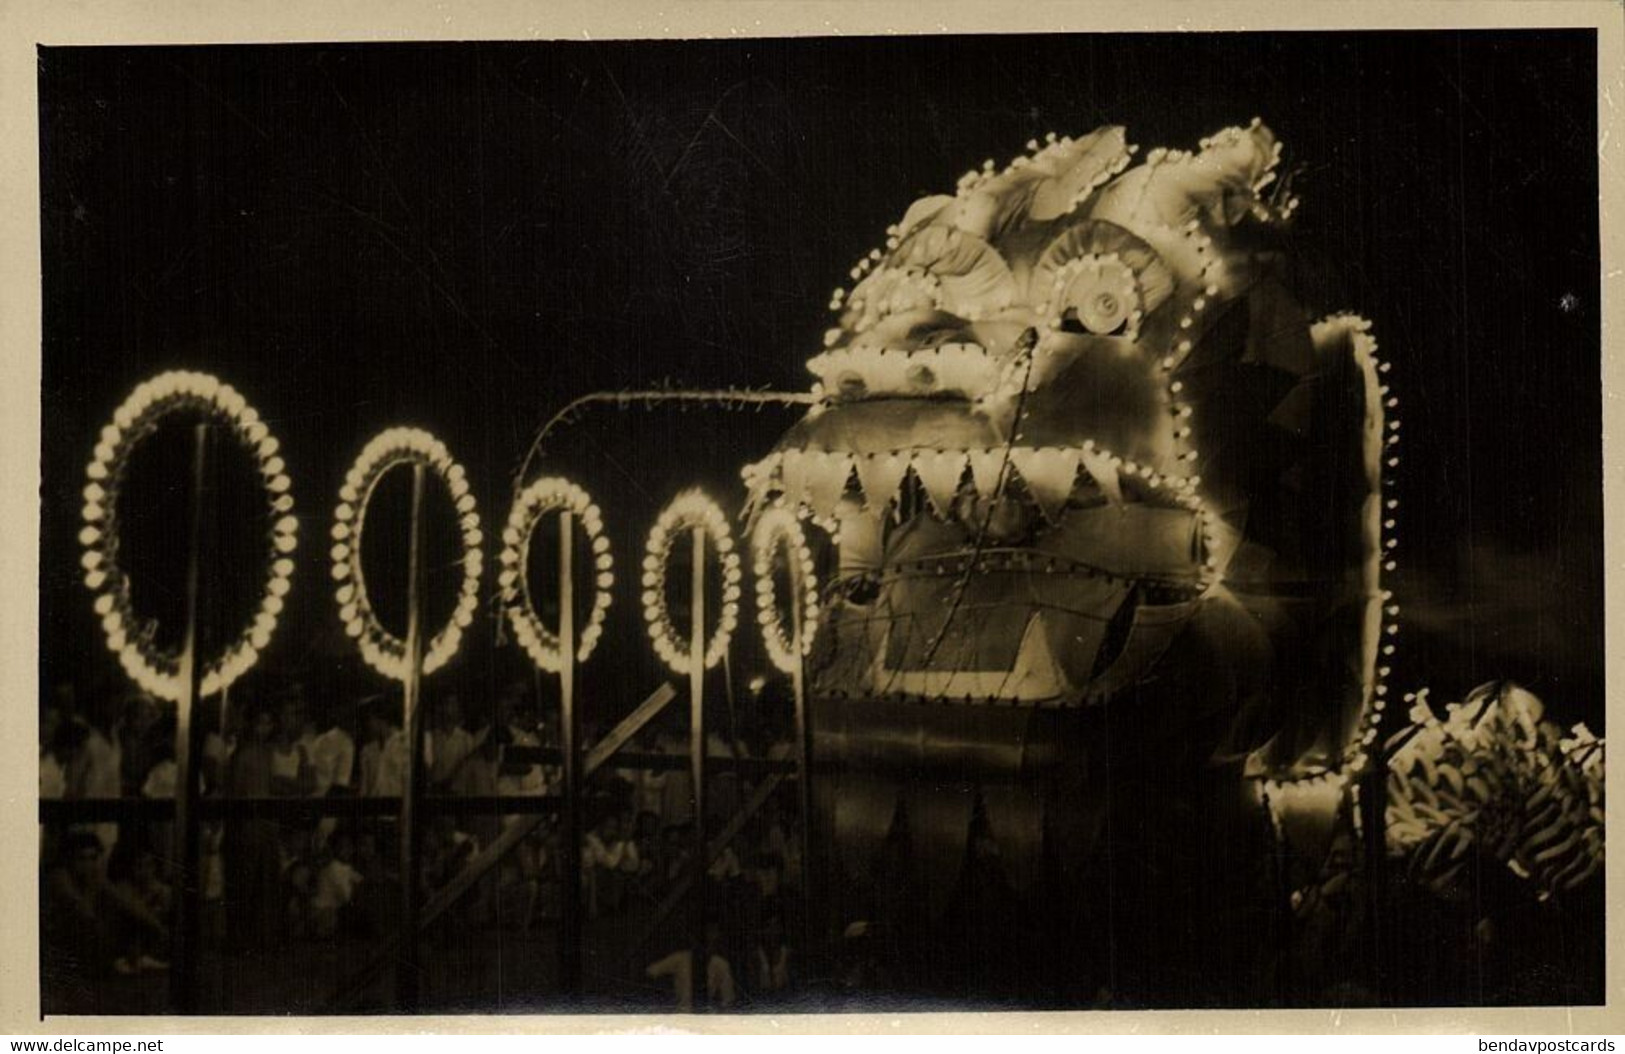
798,690
696,751
407,971
184,949
570,926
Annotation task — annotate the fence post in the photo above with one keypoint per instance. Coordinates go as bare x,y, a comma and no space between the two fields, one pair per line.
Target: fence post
184,952
407,969
569,740
696,756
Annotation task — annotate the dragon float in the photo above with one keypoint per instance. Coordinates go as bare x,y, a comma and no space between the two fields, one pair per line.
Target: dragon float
1112,515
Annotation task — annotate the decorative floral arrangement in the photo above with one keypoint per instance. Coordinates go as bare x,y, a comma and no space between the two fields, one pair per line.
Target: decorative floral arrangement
1495,783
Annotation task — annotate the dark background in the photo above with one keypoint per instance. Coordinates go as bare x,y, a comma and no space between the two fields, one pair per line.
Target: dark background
464,237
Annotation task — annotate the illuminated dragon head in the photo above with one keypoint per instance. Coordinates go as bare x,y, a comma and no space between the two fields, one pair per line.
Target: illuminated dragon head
1073,434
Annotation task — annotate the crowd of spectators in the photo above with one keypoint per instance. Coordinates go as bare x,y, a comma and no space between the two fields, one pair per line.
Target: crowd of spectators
267,880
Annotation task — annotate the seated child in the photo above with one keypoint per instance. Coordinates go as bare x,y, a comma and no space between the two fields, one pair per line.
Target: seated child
770,959
93,925
608,861
334,889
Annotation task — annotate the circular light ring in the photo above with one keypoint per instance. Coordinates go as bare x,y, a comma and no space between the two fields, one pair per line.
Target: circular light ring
1361,751
135,419
544,496
778,531
382,650
690,510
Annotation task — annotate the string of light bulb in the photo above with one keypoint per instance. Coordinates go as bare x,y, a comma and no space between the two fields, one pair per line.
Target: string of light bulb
688,512
135,419
777,535
381,649
552,494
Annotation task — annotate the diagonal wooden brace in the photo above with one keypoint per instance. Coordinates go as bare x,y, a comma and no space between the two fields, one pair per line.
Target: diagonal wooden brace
713,849
493,854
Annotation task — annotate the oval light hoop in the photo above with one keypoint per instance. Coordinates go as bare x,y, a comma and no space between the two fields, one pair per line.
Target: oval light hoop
543,496
381,649
778,531
690,510
133,421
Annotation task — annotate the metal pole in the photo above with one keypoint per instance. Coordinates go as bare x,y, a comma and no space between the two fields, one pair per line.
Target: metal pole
570,927
798,689
406,973
696,752
184,951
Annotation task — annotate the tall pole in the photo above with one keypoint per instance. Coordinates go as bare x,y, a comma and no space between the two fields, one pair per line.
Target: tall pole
184,950
803,734
696,753
407,973
570,928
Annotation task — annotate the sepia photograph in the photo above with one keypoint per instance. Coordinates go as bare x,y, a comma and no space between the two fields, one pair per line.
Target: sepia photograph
1075,521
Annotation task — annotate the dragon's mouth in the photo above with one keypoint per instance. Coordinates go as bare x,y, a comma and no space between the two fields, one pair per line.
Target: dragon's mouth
1013,626
1013,575
967,482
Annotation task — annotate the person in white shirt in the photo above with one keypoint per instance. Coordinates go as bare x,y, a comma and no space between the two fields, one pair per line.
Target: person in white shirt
515,725
383,759
450,745
383,764
219,729
720,989
677,789
140,740
517,728
772,958
608,859
160,781
53,775
332,761
334,889
332,753
59,741
97,770
291,773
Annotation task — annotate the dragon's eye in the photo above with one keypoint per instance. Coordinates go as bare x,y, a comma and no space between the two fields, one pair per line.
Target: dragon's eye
1104,313
1098,294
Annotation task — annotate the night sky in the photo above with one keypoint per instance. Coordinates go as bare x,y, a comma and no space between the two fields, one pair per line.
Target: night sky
464,237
